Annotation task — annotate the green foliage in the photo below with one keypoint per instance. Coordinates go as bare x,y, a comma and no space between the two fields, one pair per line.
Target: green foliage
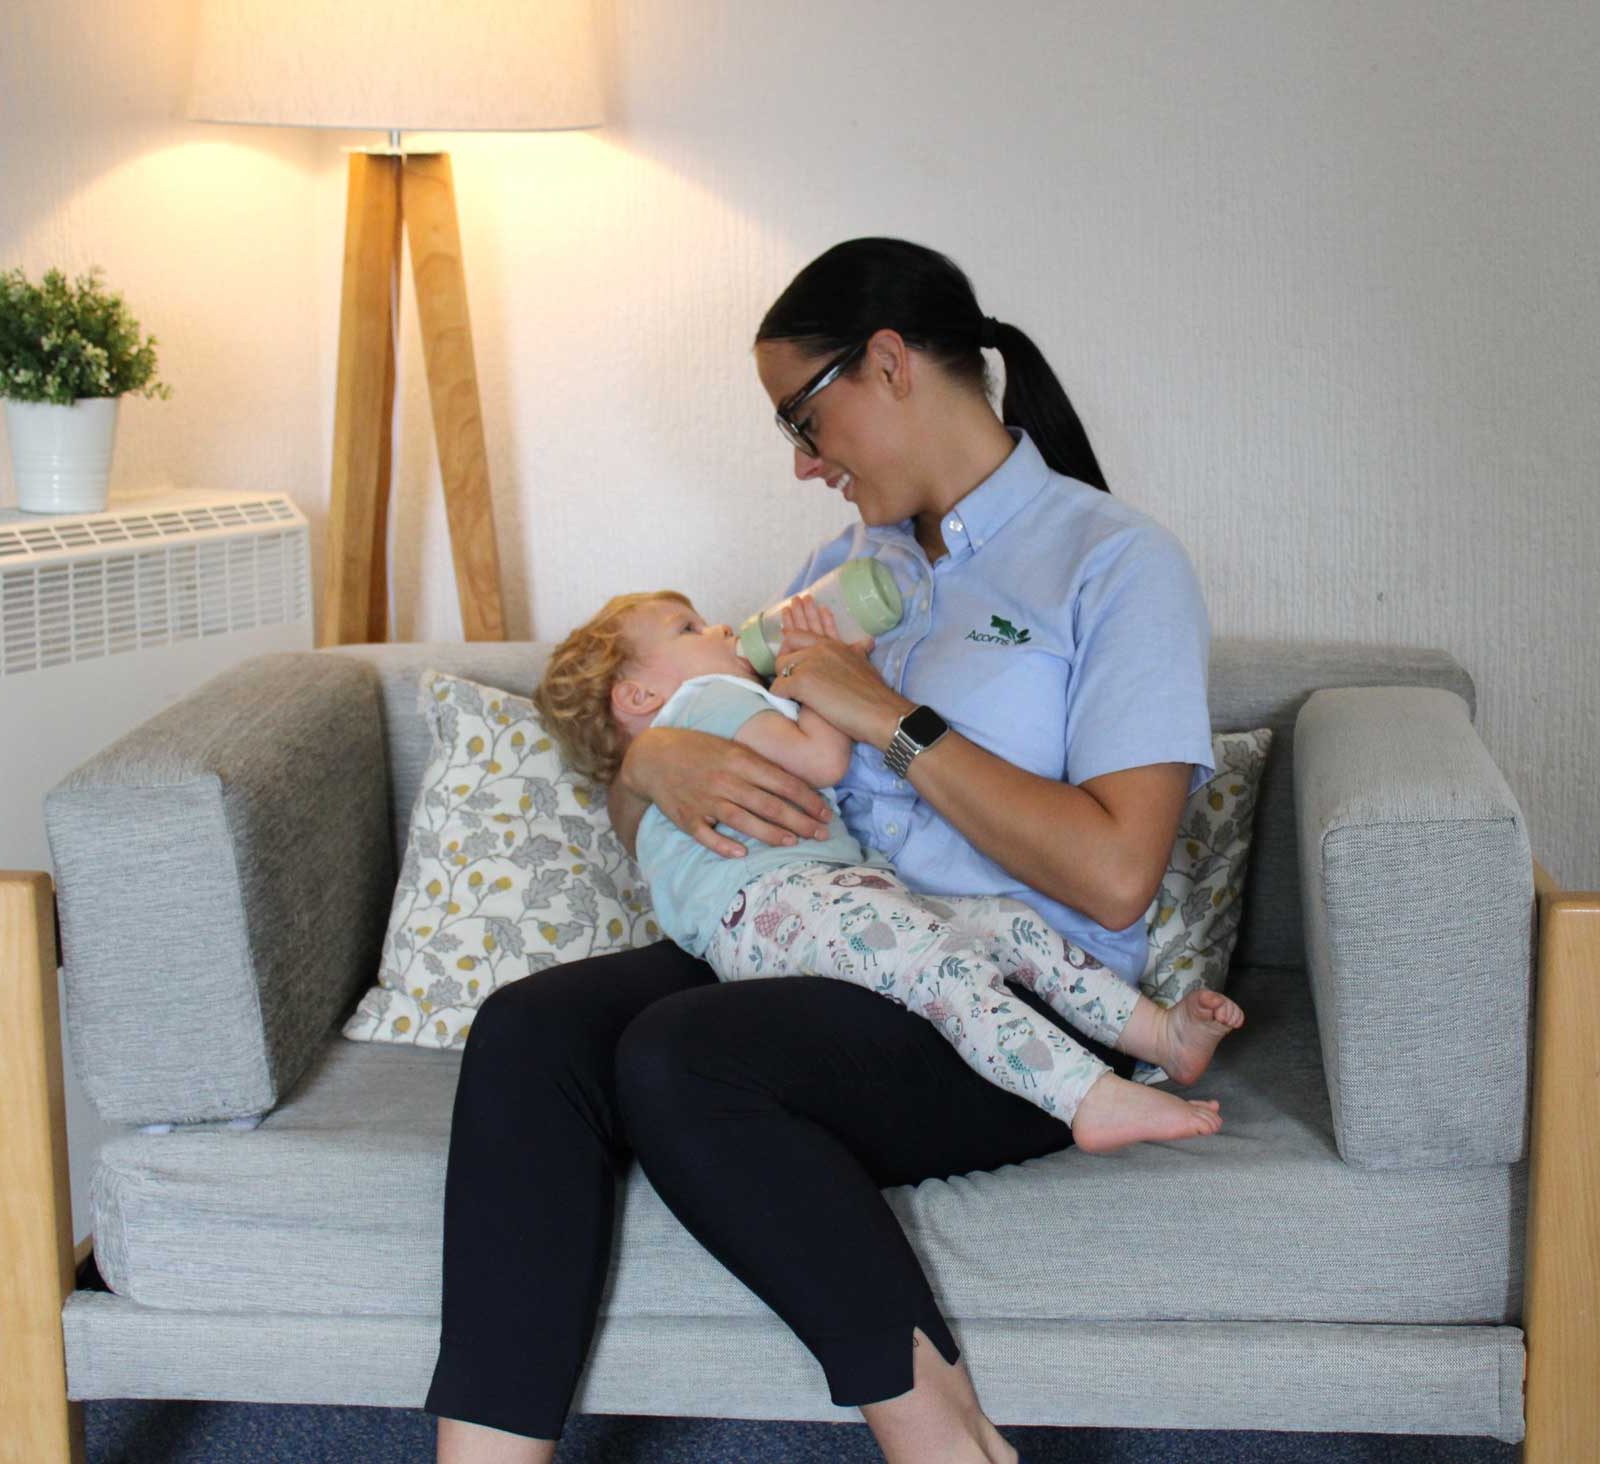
61,341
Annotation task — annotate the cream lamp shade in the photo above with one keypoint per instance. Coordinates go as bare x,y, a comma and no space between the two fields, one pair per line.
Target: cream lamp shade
398,65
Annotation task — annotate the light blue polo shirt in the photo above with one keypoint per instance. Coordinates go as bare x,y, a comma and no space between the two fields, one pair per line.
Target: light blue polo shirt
1063,631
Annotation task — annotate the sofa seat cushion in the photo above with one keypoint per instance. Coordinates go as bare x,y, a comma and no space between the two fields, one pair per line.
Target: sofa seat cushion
334,1206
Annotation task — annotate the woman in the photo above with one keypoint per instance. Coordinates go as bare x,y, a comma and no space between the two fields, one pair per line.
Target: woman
1043,704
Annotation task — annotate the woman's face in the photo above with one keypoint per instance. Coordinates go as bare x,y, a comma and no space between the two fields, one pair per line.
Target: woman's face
850,422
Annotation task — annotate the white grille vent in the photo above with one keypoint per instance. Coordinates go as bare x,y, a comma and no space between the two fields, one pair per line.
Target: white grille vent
84,587
89,531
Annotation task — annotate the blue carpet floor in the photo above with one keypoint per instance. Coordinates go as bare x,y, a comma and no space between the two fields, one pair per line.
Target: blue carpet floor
128,1432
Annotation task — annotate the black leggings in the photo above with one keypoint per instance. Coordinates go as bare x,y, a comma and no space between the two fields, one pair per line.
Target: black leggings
768,1114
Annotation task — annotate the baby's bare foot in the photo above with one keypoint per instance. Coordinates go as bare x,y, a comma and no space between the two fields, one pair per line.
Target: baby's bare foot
1115,1113
1191,1031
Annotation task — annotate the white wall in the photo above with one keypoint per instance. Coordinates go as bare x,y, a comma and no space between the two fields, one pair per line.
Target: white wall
1319,279
212,236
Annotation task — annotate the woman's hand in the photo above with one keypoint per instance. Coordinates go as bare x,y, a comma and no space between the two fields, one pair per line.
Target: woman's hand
805,622
699,780
836,680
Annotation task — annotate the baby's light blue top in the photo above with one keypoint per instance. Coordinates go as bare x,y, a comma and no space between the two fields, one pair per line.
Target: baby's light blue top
1063,631
689,885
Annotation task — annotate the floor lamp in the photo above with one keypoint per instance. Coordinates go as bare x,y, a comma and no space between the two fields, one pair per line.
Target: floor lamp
401,66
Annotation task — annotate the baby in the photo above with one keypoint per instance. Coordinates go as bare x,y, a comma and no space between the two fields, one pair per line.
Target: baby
825,907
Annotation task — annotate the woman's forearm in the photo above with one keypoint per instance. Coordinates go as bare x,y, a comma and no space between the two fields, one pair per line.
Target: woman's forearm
626,809
1054,837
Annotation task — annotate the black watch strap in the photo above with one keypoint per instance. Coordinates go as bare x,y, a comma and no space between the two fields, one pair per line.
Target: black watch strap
916,732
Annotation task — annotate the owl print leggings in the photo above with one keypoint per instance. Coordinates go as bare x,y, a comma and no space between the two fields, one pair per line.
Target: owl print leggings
947,960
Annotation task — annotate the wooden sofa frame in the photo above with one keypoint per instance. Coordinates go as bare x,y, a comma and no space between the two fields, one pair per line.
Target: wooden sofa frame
39,1424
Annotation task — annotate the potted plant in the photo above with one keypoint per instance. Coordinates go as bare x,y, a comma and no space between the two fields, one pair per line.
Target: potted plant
68,352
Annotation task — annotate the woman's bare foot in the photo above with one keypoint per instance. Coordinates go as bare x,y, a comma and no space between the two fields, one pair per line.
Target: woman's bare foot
1180,1040
1115,1113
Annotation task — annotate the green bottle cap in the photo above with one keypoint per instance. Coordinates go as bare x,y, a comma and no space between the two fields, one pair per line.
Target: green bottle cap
872,595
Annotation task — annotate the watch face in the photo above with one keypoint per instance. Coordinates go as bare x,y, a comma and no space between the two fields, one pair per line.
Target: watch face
924,726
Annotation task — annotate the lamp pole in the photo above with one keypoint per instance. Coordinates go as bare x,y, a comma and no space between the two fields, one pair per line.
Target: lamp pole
388,187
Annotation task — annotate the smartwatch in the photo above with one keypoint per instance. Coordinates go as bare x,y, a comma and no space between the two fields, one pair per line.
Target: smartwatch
916,732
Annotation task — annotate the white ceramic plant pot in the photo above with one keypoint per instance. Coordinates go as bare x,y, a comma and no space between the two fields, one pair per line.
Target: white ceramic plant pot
61,456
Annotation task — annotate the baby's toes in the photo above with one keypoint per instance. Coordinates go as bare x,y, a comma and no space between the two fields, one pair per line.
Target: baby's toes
1218,1008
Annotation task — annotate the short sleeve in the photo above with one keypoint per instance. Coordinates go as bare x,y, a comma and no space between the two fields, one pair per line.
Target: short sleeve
719,704
1137,690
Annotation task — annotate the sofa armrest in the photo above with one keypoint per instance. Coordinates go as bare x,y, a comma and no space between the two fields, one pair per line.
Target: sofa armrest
1417,891
224,874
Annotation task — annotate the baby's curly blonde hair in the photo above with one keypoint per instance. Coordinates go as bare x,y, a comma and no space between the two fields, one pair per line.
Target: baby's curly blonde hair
574,698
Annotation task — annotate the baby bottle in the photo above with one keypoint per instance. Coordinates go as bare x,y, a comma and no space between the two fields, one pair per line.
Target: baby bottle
862,595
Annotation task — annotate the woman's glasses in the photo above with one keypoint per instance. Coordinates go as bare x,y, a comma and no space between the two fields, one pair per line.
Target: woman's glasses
787,422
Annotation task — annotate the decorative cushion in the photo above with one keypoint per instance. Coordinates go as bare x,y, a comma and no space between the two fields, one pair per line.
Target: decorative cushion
1194,917
511,866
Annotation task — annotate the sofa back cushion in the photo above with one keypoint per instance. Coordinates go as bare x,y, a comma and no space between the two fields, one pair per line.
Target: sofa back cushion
1254,683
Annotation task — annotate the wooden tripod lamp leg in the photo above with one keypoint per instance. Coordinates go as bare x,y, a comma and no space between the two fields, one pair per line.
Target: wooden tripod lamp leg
37,1420
429,205
1561,1304
355,601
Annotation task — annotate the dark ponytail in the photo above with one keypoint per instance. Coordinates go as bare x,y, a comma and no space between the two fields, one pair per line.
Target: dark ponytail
863,285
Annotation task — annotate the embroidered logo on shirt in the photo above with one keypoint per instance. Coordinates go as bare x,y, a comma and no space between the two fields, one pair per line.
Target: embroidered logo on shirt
1004,633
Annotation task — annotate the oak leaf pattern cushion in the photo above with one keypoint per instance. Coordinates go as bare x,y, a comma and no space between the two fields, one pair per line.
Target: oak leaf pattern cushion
1193,918
511,867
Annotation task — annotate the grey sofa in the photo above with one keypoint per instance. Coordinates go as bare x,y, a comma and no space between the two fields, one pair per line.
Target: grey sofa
1348,1254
